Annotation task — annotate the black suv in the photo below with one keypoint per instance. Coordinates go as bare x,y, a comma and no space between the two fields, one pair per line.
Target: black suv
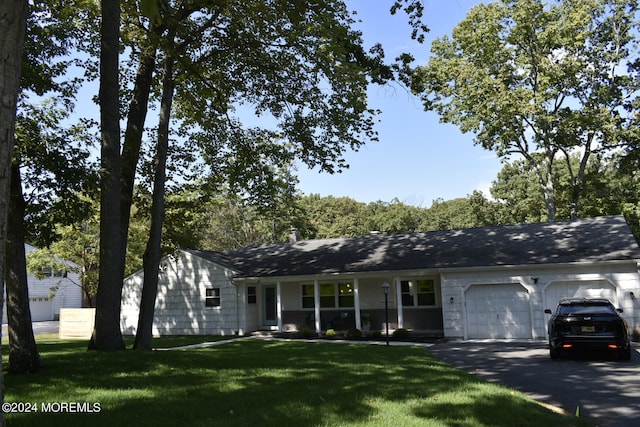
588,324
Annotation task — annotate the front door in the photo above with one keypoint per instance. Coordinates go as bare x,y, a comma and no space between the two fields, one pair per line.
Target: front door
270,306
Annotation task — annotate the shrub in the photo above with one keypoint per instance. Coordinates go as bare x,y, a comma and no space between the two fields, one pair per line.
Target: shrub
400,333
376,333
330,333
353,333
307,333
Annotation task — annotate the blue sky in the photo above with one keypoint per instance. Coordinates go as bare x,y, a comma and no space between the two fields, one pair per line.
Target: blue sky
417,159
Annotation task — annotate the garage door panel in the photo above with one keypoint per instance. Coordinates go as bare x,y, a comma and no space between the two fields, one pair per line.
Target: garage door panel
498,311
41,309
590,289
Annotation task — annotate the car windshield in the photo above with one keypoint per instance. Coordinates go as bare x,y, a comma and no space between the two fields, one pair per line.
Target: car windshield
586,308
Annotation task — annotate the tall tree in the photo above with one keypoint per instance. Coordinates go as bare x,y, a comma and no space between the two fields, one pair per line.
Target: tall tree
41,161
50,171
23,353
13,18
152,254
106,333
541,81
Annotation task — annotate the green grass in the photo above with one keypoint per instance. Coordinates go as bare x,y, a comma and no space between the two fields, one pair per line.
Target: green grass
267,383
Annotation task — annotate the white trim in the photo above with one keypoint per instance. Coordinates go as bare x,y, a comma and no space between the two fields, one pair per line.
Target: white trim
356,302
279,306
399,302
316,304
437,271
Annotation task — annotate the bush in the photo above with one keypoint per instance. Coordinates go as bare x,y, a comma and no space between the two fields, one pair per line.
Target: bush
400,333
353,333
376,334
330,333
307,333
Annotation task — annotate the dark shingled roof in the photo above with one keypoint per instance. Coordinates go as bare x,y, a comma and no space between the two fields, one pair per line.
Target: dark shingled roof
585,240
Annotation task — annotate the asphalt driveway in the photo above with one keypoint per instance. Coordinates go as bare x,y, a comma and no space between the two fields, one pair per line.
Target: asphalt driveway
606,390
45,327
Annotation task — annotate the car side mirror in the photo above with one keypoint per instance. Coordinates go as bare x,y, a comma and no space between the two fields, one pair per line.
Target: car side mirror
548,311
619,310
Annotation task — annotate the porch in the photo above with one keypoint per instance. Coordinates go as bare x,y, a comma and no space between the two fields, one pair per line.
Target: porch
413,303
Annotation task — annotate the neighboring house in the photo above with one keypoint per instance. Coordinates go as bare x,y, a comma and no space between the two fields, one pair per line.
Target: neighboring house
48,295
492,282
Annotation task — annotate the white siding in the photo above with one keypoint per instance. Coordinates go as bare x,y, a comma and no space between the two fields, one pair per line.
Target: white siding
180,305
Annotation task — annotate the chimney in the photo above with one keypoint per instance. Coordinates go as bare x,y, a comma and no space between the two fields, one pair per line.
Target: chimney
293,237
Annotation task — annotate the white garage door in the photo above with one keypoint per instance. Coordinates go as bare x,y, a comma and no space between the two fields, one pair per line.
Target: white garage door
591,289
498,311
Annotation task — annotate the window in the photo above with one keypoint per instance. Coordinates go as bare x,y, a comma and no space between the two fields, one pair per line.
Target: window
345,295
420,292
426,292
212,298
307,296
327,295
406,287
251,295
331,295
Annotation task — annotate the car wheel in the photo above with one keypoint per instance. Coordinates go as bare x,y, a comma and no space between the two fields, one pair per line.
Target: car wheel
554,353
625,354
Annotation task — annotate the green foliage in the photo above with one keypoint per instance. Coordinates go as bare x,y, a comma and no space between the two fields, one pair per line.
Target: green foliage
57,174
400,334
330,333
345,217
541,82
353,333
150,9
307,333
333,216
610,188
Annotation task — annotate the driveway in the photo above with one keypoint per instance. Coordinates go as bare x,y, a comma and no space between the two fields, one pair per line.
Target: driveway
45,327
606,390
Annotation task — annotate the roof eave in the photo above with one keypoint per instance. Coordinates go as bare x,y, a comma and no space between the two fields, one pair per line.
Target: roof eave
432,270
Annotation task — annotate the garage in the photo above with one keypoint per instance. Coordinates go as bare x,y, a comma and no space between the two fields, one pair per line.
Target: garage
499,311
576,289
41,309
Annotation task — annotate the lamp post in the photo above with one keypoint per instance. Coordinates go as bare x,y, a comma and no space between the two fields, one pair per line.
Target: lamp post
385,289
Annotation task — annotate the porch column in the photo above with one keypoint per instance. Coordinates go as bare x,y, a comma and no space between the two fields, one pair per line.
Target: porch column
316,302
356,303
399,302
279,305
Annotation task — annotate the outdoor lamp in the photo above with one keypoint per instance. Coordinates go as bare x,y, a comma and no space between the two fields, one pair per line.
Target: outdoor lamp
385,289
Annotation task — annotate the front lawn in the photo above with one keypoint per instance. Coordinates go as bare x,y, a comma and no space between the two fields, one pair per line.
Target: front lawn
264,383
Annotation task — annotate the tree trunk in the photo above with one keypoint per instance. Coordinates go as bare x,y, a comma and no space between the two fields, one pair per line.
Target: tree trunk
544,173
549,192
106,333
133,140
23,353
152,254
578,179
13,21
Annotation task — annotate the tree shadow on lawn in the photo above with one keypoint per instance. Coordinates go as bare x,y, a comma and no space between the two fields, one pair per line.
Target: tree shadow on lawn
257,383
